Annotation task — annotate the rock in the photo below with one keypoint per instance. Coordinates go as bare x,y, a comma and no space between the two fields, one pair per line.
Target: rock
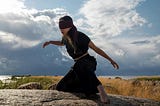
31,85
52,87
10,97
118,78
136,83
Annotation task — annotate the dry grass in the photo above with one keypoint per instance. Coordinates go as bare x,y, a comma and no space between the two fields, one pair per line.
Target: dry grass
143,87
138,88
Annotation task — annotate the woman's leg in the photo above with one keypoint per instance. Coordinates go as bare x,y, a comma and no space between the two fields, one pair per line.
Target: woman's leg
88,79
85,71
103,94
68,83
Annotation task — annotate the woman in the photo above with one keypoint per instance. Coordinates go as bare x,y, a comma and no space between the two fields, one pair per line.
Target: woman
81,78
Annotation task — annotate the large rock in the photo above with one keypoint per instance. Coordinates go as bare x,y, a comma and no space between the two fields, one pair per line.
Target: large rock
12,97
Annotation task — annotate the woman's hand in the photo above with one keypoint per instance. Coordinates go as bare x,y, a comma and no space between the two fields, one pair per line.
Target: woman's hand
115,65
46,44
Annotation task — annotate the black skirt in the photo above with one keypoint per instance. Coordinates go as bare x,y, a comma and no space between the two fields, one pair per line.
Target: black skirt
81,78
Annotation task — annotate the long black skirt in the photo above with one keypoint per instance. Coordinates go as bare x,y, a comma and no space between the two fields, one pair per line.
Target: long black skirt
81,78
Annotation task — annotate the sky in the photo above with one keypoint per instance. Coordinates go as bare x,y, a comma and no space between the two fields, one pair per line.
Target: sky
127,30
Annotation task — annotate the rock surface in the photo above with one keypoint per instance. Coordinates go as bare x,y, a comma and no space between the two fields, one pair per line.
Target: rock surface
13,97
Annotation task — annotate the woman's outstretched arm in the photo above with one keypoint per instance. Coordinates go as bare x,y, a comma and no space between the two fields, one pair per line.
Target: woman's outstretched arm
58,43
103,54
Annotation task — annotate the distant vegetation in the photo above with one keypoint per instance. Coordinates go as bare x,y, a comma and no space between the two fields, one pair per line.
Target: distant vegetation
151,78
144,87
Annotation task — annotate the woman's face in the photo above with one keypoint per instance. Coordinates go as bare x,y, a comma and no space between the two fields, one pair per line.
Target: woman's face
65,31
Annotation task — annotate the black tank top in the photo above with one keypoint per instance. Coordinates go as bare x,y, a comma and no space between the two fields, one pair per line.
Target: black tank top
80,45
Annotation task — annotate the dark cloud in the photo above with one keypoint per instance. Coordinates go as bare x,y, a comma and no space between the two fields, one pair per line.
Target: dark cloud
141,42
35,61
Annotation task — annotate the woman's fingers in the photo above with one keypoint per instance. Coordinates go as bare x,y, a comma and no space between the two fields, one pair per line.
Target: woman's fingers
115,65
45,44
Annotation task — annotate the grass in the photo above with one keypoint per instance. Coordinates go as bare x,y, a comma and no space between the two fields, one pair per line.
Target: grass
45,81
144,87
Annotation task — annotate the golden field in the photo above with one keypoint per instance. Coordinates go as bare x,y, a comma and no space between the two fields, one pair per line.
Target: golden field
143,87
146,87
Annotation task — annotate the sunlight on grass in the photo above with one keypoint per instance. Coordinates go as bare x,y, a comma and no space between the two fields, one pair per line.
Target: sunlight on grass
143,87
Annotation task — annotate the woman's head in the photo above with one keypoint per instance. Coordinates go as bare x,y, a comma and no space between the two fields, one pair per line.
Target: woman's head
68,29
65,24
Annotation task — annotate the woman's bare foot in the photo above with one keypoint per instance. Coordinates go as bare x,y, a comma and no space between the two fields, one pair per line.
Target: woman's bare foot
104,98
103,95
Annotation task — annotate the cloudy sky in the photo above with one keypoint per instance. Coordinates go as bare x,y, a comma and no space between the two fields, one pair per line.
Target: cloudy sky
127,30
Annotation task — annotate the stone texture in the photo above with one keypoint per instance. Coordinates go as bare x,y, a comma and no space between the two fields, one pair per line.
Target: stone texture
14,97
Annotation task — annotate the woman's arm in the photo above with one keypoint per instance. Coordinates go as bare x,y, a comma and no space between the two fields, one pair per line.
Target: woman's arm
58,43
103,54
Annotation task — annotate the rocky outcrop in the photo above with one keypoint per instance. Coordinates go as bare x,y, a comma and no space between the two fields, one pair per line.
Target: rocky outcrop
52,87
13,97
31,85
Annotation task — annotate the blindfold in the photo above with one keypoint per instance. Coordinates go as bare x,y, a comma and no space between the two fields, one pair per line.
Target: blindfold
65,24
